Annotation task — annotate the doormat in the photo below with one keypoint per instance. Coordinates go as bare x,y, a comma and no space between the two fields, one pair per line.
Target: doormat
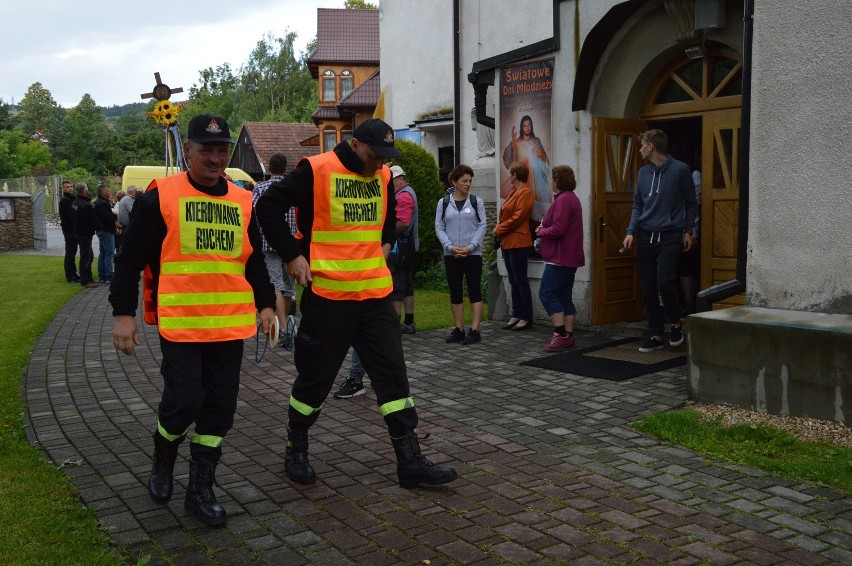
614,361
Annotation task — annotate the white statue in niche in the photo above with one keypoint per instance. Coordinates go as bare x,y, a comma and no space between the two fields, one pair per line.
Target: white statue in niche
484,135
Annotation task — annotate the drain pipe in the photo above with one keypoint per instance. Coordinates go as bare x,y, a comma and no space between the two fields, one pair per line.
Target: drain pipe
705,299
456,86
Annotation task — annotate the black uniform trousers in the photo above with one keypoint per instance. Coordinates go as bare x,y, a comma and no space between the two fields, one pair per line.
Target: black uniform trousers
657,254
71,246
202,380
326,331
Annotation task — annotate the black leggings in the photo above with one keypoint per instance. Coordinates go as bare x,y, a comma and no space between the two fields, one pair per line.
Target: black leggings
469,268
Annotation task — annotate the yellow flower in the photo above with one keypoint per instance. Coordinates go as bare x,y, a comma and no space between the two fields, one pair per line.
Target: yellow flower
165,113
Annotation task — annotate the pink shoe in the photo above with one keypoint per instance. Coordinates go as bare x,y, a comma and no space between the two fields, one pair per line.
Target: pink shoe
558,342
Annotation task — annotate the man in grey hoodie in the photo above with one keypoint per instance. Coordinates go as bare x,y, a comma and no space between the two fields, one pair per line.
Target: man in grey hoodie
664,205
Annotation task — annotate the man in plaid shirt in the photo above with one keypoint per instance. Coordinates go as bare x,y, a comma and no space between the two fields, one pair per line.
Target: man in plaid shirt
284,283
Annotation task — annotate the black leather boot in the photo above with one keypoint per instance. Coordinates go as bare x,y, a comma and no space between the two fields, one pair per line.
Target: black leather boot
200,498
296,457
161,479
413,469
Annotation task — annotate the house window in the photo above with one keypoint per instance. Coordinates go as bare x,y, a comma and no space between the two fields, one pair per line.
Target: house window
345,135
328,86
329,138
346,83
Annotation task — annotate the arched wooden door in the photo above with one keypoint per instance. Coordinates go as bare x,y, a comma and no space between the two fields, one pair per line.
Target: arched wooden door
708,89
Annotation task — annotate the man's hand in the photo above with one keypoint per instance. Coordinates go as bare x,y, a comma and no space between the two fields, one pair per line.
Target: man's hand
688,242
386,248
125,334
628,242
267,318
300,270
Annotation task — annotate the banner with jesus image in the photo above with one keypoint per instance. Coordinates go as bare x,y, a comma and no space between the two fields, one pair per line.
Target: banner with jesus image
525,127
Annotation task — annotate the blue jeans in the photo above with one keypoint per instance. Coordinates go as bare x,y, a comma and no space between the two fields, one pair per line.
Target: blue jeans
356,369
106,240
556,288
516,268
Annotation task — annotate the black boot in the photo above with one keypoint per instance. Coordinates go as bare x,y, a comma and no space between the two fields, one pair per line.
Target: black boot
412,468
200,498
296,457
161,479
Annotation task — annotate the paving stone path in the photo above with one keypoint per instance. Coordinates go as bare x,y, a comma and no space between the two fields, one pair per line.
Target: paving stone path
551,473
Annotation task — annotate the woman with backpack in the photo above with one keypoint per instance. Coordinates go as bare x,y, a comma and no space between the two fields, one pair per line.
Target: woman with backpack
460,226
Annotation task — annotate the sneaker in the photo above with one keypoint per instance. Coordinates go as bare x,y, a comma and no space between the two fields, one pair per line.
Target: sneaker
408,328
351,388
558,342
473,337
90,285
651,345
676,337
457,335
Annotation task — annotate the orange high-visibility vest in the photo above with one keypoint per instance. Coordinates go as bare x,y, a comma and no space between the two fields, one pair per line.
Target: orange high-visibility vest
347,262
203,294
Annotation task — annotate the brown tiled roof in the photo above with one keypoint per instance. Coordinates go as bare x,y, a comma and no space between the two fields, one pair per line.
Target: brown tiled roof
346,36
278,137
365,94
325,113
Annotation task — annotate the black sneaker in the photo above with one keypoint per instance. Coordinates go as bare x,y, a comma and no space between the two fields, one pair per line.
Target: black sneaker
457,335
351,388
408,328
473,337
676,337
652,345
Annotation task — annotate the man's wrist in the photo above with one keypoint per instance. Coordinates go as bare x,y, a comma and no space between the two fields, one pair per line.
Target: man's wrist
688,232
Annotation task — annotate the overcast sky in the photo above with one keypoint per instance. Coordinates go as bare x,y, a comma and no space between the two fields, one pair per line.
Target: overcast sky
111,50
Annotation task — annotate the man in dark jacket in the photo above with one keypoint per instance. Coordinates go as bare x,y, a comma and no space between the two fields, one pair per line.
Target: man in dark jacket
66,222
106,234
85,225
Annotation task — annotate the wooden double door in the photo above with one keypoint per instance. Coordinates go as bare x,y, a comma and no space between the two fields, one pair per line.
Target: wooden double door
711,141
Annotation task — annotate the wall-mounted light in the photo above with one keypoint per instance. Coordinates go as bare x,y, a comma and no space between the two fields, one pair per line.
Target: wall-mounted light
694,52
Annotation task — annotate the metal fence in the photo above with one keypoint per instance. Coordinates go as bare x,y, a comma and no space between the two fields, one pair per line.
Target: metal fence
49,185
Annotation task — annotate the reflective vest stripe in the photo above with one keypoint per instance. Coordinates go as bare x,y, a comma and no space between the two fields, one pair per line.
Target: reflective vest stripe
304,409
202,267
167,435
207,440
205,322
362,285
346,236
186,299
347,264
398,405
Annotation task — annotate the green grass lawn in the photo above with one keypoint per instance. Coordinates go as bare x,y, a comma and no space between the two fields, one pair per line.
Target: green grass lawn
42,520
758,446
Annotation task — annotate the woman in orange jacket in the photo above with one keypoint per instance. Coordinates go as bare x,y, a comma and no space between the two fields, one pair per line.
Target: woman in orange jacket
513,231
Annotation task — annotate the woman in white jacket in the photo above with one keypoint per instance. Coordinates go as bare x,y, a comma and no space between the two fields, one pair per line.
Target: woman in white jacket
460,226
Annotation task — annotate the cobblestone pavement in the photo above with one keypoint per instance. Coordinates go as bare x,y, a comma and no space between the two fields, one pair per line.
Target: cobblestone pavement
551,473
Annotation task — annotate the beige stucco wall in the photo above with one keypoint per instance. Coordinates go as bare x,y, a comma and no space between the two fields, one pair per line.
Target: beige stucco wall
801,169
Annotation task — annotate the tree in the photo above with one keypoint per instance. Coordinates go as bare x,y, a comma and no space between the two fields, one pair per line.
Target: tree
359,5
20,155
40,114
271,81
214,95
5,116
140,139
89,141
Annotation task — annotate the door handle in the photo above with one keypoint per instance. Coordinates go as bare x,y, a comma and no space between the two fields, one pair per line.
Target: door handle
601,226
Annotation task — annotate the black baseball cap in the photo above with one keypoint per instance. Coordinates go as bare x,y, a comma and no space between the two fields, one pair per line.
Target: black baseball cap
379,136
207,128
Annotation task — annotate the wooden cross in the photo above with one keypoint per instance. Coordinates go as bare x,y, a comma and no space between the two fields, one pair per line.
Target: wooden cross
161,91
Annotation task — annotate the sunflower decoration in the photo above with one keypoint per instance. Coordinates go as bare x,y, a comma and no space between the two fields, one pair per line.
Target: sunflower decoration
165,113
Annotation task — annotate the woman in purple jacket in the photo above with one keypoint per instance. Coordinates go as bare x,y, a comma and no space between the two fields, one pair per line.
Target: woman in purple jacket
561,233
